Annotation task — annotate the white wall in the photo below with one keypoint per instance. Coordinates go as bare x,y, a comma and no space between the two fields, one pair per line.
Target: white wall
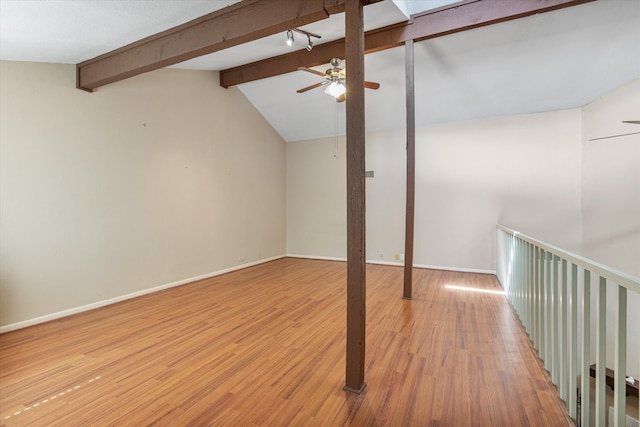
611,180
519,171
316,198
145,182
523,171
611,202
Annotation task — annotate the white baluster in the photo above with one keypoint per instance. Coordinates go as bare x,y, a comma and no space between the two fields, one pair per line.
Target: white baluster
564,337
573,347
601,353
620,369
585,388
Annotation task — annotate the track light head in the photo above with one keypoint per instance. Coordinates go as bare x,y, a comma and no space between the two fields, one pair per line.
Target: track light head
290,39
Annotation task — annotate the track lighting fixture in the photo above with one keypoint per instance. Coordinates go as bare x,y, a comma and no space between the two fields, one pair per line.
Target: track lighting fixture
290,39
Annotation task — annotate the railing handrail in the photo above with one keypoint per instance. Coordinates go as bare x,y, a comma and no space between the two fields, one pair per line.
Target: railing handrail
542,283
630,282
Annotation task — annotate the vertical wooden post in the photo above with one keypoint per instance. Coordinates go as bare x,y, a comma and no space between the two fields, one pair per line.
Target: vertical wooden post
356,262
411,170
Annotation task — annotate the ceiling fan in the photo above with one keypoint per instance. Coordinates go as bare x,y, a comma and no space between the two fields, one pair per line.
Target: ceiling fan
334,77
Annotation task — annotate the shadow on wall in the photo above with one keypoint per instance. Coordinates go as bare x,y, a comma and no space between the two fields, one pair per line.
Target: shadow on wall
612,238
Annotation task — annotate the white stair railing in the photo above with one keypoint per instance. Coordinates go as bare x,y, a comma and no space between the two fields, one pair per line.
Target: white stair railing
541,282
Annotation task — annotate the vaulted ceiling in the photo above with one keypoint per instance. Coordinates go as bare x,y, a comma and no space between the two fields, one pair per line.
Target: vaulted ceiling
556,60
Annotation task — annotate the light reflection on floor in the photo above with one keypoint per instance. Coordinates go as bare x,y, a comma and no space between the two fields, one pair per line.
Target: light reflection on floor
465,288
53,397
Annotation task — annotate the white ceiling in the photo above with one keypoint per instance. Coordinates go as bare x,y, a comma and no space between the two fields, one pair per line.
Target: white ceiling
556,60
71,31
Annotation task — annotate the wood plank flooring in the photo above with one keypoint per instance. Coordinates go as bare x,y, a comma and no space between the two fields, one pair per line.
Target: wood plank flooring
265,346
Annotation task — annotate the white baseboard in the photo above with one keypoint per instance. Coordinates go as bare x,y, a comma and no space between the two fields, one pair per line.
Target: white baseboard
322,258
390,263
400,264
94,305
458,269
98,304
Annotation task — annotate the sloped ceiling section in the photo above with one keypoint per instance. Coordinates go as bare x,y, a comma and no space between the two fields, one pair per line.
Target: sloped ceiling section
557,60
71,31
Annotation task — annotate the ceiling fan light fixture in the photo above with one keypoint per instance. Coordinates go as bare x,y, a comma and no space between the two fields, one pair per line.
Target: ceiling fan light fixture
290,38
335,89
309,43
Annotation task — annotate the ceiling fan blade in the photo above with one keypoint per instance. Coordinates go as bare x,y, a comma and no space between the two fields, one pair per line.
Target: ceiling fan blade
633,122
309,70
304,89
371,85
341,98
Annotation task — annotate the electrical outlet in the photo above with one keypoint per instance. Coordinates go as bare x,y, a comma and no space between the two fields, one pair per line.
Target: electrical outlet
381,256
240,259
401,257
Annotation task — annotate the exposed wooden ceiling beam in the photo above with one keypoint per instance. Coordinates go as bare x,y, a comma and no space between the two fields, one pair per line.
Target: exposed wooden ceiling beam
457,17
233,25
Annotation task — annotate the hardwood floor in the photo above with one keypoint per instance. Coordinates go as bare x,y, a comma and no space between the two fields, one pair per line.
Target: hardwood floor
266,346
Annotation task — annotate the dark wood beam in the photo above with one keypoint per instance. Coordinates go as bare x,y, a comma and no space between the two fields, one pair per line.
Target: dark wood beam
457,17
233,25
321,54
411,170
356,211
